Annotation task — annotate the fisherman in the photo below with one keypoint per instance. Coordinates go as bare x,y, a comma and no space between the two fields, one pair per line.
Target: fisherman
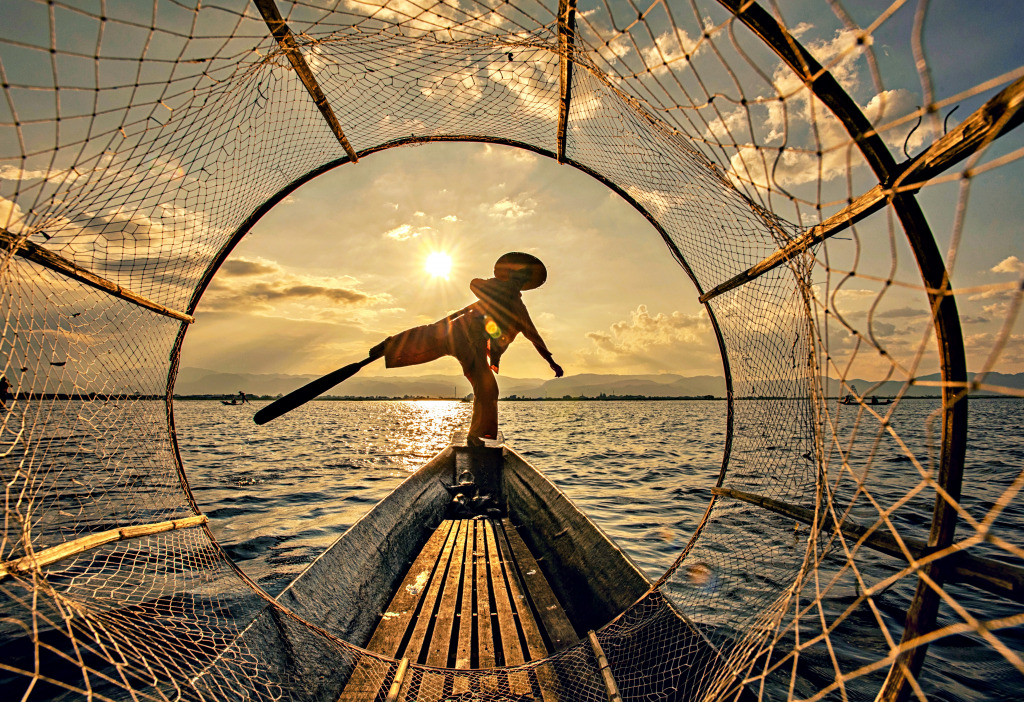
243,397
5,391
477,336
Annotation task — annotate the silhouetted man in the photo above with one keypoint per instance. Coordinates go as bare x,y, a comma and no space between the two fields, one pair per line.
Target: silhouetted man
477,336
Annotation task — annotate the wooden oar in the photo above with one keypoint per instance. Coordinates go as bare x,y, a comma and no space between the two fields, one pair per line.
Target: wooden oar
309,391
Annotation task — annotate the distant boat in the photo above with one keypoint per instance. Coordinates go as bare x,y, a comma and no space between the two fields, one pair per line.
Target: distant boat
229,402
873,400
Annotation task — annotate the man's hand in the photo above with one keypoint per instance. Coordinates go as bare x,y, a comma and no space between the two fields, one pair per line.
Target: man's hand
557,369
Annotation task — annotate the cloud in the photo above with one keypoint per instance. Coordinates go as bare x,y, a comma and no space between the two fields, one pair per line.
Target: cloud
11,216
450,218
643,331
995,294
416,17
647,342
1011,264
404,232
671,47
59,176
242,267
513,209
282,291
534,82
817,145
267,289
731,126
901,313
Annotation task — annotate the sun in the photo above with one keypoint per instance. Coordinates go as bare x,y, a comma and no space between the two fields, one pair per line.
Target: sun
438,264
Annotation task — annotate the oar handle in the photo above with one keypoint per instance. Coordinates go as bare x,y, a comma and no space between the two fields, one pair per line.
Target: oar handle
308,392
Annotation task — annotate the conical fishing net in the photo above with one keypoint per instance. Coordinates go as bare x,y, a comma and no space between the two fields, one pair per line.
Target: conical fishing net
140,142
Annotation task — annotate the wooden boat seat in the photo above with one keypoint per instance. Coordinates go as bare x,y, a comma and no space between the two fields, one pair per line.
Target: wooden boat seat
475,597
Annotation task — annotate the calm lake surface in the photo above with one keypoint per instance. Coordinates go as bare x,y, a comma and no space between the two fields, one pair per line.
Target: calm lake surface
278,495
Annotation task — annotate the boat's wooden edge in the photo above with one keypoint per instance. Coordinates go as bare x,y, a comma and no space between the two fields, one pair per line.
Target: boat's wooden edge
419,499
558,630
560,535
444,456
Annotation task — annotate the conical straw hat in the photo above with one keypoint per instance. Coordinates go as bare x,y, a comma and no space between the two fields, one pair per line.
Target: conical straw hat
516,261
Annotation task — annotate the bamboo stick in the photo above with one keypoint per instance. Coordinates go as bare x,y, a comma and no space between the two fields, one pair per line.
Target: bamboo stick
396,686
992,120
48,259
610,687
286,40
73,548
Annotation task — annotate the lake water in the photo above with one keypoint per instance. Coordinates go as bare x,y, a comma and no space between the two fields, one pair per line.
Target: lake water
278,495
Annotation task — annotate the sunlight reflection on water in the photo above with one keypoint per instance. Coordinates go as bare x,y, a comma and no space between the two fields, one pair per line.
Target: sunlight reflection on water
279,494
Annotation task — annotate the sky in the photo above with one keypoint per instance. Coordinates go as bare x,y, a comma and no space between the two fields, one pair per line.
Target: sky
340,263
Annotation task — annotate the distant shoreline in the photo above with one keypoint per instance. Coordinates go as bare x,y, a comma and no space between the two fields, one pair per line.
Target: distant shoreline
91,397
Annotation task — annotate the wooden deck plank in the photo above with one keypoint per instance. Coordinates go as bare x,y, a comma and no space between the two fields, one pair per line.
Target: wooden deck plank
418,640
369,675
440,640
489,684
473,587
508,630
485,634
465,649
553,619
517,592
388,636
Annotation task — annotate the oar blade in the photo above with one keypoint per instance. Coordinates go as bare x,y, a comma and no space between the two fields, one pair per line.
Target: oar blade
307,392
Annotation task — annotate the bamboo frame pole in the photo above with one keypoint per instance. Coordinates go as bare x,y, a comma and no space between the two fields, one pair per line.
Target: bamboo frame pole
991,121
55,262
66,550
566,47
987,574
948,334
286,40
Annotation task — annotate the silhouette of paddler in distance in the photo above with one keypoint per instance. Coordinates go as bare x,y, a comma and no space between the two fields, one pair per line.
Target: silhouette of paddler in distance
477,336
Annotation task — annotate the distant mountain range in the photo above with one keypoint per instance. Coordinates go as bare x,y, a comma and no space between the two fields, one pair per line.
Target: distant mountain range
200,381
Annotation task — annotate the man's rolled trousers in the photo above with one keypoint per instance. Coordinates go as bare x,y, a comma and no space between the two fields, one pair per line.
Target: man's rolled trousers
463,336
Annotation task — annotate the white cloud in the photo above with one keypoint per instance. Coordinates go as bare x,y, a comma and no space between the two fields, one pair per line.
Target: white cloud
265,288
449,218
513,209
671,47
731,127
1010,264
643,331
404,232
11,216
817,145
535,83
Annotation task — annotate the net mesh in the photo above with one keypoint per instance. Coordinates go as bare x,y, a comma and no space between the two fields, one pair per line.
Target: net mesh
140,142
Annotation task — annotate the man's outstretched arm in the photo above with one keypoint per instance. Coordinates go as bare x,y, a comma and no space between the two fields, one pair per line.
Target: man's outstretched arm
531,333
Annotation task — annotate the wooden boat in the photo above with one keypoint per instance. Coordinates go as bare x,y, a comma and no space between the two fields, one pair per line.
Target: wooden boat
873,400
477,578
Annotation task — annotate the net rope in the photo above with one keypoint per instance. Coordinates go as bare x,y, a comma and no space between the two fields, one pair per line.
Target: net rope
138,143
